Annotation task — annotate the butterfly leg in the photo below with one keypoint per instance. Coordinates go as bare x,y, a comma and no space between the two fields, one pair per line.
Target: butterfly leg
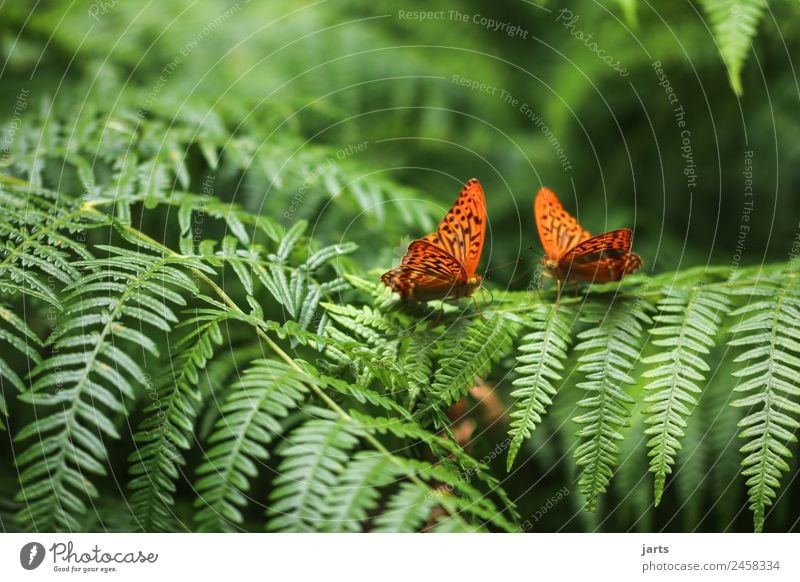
558,292
478,309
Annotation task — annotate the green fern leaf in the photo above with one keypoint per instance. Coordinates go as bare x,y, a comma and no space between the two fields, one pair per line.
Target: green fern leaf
167,428
407,510
542,353
769,329
250,417
610,348
687,325
315,455
734,24
357,492
471,353
89,378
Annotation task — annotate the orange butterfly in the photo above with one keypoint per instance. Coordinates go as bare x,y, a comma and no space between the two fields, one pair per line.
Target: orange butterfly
442,265
572,254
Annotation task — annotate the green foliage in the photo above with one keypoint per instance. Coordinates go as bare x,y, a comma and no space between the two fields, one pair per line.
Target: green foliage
542,353
769,328
326,421
611,347
89,376
688,323
15,334
193,335
314,459
469,351
249,419
169,425
734,24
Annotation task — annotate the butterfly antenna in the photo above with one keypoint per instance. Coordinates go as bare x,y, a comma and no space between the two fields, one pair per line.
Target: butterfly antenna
521,275
516,261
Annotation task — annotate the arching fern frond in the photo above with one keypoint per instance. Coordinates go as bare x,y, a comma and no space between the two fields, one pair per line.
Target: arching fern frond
416,359
734,24
687,324
39,242
357,491
250,418
469,351
167,429
610,349
408,510
89,378
542,353
17,335
458,475
314,455
769,329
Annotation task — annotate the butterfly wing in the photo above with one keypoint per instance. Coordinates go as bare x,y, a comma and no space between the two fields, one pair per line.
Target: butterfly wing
426,272
462,231
602,258
558,230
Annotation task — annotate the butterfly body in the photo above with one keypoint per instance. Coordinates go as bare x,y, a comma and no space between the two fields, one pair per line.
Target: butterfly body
572,254
443,264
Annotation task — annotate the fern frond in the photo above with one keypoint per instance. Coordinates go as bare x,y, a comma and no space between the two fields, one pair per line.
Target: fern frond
416,360
89,377
769,329
407,510
168,426
364,322
458,477
687,325
610,349
39,247
17,335
541,358
250,417
734,24
357,493
471,353
315,455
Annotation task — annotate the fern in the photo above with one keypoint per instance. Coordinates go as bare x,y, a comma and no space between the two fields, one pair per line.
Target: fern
470,353
251,415
734,24
357,492
314,458
18,335
89,378
39,244
689,321
770,367
407,510
417,360
542,353
168,426
610,349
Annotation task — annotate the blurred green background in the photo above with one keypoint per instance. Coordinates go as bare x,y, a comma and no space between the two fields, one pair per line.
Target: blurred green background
344,95
348,73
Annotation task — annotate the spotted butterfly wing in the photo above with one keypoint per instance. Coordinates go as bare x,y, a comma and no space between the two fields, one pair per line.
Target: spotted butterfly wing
558,230
463,228
426,272
602,258
572,254
443,265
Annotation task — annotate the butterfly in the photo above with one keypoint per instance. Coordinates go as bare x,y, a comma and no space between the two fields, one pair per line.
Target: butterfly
572,254
442,265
